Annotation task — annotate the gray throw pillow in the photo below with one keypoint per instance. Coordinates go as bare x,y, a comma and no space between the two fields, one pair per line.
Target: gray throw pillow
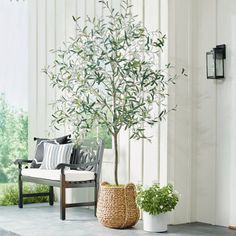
39,152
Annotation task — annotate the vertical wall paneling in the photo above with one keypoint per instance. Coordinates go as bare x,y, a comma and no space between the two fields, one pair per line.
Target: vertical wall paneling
200,134
194,113
105,11
205,154
136,146
179,124
108,171
33,65
182,129
124,142
116,4
163,125
214,151
171,100
151,149
124,162
151,14
181,116
90,10
70,24
189,109
60,34
51,44
80,11
138,9
232,220
42,61
225,170
98,8
136,155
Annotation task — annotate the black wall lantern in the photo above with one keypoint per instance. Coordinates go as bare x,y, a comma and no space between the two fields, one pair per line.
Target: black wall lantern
215,62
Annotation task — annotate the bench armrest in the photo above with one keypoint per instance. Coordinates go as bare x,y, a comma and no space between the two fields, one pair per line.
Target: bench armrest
19,162
22,161
75,166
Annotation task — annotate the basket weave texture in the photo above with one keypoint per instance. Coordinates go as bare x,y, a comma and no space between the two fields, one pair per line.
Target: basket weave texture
117,207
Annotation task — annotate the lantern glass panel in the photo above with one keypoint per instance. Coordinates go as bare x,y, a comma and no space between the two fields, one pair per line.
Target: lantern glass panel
219,62
210,65
219,67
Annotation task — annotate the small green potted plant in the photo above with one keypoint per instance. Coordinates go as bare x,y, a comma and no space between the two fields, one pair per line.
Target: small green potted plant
156,202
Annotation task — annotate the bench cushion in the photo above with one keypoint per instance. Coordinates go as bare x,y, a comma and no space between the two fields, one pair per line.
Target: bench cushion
70,175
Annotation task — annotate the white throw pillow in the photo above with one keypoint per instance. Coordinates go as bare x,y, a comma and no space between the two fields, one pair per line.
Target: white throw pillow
55,154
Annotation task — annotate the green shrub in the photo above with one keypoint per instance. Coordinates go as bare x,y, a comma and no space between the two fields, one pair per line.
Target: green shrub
10,194
13,139
156,200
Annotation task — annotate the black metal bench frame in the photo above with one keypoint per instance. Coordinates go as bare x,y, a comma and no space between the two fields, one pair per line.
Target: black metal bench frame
63,184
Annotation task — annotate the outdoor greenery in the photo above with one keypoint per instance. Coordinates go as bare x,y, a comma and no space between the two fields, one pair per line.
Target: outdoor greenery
156,200
100,132
13,139
109,76
9,195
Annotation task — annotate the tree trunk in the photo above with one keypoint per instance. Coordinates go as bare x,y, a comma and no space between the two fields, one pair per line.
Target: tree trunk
116,159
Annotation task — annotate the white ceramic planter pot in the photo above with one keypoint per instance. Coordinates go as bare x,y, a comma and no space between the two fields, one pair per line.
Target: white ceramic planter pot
155,223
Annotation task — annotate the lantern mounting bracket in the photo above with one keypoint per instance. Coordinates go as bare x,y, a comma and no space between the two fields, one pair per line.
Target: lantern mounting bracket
222,49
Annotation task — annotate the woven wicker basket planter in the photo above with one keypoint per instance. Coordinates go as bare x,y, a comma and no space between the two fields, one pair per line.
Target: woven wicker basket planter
117,207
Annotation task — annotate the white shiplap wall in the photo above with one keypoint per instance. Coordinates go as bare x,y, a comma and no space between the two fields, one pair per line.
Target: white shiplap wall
201,134
180,123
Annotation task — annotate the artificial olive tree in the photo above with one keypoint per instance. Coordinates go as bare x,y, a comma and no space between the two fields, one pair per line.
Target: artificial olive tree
109,75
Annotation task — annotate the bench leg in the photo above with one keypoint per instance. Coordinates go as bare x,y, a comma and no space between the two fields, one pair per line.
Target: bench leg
95,201
63,199
20,192
95,198
51,196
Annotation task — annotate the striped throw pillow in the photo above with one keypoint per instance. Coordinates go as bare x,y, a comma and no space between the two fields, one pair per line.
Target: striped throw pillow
55,154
